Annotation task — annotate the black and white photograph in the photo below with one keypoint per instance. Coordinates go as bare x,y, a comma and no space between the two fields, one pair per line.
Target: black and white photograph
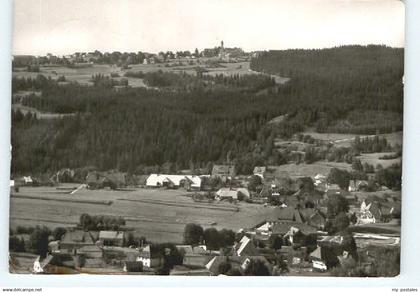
207,137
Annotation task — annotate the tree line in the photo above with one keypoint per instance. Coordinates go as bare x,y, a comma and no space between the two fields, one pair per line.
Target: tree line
197,125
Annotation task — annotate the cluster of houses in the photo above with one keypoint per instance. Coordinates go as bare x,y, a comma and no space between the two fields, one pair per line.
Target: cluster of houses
298,222
95,252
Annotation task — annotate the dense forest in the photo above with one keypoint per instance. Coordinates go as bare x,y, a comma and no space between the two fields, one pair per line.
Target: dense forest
347,89
352,89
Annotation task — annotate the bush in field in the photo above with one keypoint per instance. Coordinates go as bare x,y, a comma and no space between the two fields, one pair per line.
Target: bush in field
390,177
58,233
339,223
336,204
254,182
215,239
16,244
171,257
339,177
193,233
24,230
89,222
38,241
276,242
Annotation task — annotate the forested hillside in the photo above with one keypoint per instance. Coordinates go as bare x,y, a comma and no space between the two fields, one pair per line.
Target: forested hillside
347,89
351,89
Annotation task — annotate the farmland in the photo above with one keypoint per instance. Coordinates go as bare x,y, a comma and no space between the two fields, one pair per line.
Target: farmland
319,167
159,215
39,114
345,140
374,159
84,74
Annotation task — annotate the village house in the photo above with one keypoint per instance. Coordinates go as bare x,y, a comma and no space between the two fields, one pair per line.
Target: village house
318,264
245,247
148,258
27,180
374,211
231,194
236,262
332,189
320,179
357,185
195,257
74,239
313,217
226,194
224,171
111,179
111,238
170,181
260,171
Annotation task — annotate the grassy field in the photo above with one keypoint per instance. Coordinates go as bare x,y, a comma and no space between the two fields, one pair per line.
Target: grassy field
373,158
345,140
83,74
39,114
158,214
322,167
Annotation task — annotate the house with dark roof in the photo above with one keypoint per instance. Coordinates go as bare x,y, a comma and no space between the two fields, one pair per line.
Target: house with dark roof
236,262
111,238
260,171
74,239
224,171
318,264
245,247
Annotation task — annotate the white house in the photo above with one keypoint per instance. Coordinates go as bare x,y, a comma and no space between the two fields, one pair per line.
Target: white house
173,180
365,216
148,259
319,179
226,193
27,180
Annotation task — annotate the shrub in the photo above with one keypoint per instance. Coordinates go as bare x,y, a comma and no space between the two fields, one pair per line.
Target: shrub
193,233
16,244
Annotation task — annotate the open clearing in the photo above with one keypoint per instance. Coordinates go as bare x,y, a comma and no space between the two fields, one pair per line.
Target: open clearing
83,75
373,159
158,214
345,140
319,167
39,114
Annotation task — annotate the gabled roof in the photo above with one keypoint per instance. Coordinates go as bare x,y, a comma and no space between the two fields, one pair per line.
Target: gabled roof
245,245
316,254
227,193
159,179
259,169
284,227
238,262
288,214
76,236
111,234
223,169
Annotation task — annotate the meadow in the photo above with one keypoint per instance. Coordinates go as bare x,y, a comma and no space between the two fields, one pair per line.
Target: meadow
158,214
311,170
84,74
345,140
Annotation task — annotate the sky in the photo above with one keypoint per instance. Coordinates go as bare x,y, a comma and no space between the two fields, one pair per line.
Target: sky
66,26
